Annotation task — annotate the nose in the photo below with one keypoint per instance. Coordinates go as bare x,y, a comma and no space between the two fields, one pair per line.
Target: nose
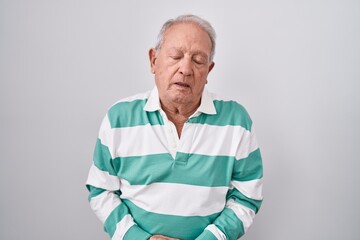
186,67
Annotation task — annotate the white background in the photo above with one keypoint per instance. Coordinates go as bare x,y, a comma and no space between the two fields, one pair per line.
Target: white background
295,66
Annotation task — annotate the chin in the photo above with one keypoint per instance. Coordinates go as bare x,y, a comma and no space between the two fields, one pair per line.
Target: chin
181,99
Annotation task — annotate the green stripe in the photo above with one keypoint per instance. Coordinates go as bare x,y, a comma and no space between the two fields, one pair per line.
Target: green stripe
249,168
206,235
230,224
199,170
228,113
243,200
102,158
185,228
129,114
115,216
195,169
94,191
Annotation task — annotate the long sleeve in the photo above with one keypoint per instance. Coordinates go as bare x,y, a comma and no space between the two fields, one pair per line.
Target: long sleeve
103,185
244,197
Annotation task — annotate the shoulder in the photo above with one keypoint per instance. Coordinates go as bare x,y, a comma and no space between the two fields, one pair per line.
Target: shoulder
230,112
131,100
128,104
128,111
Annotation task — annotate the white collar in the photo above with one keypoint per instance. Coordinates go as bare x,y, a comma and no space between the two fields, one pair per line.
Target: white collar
206,105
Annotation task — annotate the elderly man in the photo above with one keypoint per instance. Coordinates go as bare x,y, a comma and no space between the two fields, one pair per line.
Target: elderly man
177,162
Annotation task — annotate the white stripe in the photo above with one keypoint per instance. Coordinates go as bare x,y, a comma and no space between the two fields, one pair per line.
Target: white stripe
216,231
196,139
211,140
122,227
251,189
103,204
105,126
102,179
247,145
246,215
176,199
135,141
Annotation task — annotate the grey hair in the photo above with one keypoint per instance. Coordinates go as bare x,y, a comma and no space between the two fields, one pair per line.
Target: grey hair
202,23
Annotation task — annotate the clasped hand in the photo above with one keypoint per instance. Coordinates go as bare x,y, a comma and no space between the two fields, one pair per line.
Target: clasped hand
161,237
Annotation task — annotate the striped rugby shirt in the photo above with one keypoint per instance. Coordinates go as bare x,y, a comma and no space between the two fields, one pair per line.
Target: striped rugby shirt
206,186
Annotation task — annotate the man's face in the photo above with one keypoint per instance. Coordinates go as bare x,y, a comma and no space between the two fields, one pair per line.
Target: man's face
182,64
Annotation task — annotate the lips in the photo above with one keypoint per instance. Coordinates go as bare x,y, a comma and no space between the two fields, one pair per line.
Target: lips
181,84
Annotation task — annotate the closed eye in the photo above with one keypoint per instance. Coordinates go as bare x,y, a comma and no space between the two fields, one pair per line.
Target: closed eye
175,57
199,61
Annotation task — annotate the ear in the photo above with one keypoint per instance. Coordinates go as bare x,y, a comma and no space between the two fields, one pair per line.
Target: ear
211,67
152,59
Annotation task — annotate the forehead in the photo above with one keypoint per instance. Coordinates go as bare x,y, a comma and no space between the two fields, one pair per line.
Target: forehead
187,36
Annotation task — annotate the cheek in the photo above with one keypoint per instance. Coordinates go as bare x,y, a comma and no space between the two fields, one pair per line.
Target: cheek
168,72
199,85
162,77
202,76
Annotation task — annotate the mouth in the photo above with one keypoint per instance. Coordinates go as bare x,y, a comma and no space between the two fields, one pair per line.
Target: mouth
181,84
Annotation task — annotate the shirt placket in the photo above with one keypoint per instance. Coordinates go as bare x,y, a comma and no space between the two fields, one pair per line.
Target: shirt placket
171,135
183,151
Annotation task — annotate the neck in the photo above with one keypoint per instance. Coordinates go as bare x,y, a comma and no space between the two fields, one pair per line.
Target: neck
183,110
179,113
